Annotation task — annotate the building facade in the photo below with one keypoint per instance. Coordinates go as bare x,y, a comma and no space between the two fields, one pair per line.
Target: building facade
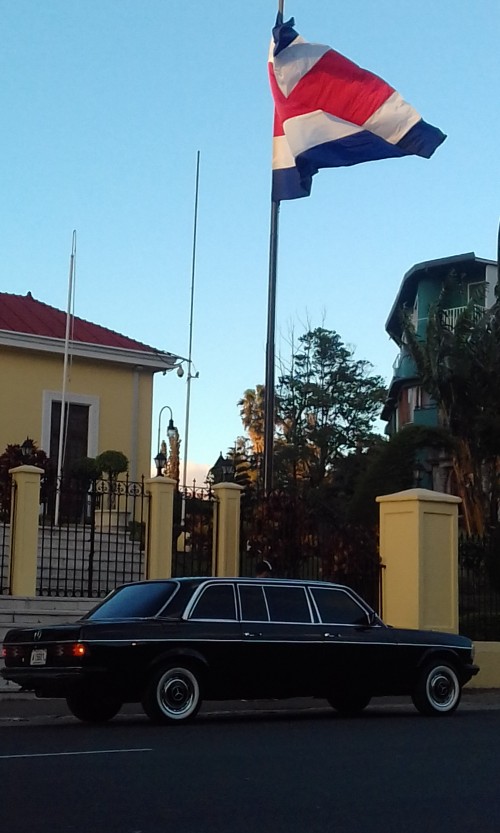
458,281
108,391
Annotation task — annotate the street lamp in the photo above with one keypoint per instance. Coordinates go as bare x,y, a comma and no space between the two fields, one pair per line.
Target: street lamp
160,461
171,429
27,449
223,470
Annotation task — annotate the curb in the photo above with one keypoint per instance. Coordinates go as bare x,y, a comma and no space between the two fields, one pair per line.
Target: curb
24,707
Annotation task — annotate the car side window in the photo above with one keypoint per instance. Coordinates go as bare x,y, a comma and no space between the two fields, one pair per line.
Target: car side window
338,607
216,603
287,604
253,603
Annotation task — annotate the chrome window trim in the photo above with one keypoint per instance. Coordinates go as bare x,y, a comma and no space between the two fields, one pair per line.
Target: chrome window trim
347,593
174,594
304,589
253,584
197,595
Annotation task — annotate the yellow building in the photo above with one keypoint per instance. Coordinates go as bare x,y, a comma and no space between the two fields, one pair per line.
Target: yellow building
109,386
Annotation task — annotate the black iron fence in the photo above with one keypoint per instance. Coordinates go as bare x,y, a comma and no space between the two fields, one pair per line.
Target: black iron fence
479,587
7,497
195,509
4,557
301,541
91,536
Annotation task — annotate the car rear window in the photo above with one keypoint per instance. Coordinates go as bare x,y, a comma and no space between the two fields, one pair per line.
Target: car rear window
134,601
338,607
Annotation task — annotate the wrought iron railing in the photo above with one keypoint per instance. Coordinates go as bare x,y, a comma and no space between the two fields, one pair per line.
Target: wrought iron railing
300,541
479,587
91,536
195,510
7,503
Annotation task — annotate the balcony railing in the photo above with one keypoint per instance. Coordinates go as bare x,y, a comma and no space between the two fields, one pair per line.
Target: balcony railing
452,315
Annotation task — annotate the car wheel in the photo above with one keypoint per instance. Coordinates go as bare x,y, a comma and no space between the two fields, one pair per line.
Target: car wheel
93,706
350,703
438,689
173,694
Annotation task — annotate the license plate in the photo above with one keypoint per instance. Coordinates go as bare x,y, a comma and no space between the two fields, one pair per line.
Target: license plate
38,656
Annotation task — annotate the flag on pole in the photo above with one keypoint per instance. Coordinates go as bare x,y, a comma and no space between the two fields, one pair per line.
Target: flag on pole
330,113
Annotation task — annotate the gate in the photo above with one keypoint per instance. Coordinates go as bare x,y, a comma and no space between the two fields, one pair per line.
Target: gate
301,542
91,536
193,531
479,587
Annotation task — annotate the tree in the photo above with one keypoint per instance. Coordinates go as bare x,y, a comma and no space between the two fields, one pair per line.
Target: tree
327,402
459,367
251,407
112,463
325,407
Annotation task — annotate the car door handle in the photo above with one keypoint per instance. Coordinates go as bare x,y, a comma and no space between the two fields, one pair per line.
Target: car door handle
328,635
252,633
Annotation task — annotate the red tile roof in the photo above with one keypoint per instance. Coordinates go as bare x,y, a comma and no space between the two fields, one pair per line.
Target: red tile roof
24,314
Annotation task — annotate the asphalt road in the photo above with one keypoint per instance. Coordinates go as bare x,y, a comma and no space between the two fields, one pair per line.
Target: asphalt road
269,770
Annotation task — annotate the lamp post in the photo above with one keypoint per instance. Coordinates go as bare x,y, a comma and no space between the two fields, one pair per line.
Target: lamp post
171,429
223,470
27,449
160,461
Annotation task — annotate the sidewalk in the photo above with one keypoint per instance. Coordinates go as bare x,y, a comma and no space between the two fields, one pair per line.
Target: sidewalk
25,708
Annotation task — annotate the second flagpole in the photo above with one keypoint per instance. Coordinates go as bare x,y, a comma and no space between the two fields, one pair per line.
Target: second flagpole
269,401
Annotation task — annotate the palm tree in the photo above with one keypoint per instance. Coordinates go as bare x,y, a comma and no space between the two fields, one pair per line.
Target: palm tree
251,407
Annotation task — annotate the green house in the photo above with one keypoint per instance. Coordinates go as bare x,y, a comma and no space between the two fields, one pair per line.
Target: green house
460,280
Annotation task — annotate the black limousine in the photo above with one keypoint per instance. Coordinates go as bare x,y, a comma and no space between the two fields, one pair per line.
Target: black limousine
171,643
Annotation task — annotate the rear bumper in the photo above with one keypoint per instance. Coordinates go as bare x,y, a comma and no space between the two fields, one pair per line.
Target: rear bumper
51,682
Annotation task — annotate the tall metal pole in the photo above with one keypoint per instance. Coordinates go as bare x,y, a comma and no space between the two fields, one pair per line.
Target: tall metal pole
63,421
190,350
270,351
269,400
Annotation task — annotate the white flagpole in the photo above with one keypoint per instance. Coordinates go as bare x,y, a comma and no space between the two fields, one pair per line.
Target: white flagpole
62,421
190,374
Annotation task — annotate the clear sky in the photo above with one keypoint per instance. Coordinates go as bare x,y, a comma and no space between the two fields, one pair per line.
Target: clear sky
105,104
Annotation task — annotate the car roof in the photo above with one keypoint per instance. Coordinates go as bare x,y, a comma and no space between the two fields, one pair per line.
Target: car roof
197,580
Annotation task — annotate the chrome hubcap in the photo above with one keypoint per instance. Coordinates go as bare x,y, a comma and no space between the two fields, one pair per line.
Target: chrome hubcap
177,693
443,688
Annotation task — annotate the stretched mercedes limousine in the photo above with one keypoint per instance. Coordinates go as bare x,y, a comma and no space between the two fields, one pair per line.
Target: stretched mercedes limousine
171,643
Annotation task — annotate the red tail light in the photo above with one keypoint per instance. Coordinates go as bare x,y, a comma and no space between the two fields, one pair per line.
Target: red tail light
71,649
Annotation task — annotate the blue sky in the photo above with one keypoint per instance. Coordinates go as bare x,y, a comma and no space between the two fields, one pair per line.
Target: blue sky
105,104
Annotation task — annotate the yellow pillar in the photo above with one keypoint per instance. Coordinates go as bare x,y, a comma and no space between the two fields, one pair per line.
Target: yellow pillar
160,527
419,551
24,530
226,561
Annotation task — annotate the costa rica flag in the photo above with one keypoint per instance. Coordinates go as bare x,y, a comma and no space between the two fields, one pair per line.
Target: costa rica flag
329,113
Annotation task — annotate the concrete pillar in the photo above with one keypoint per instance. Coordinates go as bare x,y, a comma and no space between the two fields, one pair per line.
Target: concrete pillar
419,550
226,545
24,517
160,527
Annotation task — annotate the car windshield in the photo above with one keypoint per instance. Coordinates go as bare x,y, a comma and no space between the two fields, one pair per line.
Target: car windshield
134,601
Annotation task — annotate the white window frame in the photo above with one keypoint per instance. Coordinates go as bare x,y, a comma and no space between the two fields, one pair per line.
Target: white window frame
93,402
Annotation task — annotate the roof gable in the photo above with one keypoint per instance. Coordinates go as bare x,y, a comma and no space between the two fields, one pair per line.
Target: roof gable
24,314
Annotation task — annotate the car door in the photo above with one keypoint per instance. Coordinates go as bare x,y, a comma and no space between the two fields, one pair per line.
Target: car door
277,632
354,649
210,627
